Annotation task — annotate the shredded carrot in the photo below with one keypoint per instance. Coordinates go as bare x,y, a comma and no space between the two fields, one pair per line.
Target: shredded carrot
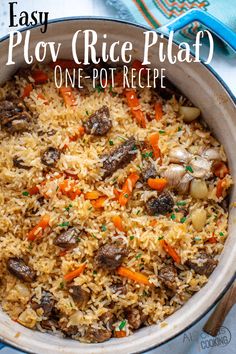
42,97
136,276
220,169
157,183
128,188
92,195
27,89
134,105
69,189
117,221
153,223
212,240
139,66
116,193
153,140
75,273
120,334
68,96
64,64
171,251
99,203
158,111
79,135
33,190
39,76
220,188
36,231
63,253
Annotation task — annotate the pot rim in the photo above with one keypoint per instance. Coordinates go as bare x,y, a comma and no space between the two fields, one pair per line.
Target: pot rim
221,82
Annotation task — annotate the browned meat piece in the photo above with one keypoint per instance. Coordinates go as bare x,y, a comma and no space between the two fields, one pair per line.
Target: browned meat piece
148,172
169,90
203,265
24,73
19,163
108,319
119,157
67,239
47,303
111,256
14,116
168,275
135,317
22,271
67,330
95,335
50,156
49,324
163,204
99,122
79,295
119,287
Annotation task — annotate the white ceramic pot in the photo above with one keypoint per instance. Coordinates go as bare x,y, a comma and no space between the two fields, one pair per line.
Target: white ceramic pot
206,91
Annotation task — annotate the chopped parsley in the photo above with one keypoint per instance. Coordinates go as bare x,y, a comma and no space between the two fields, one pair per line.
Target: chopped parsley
25,193
64,224
179,129
183,219
173,217
221,233
68,207
103,227
111,142
138,256
145,293
138,212
126,195
131,238
62,285
30,246
147,154
121,138
122,325
99,88
181,203
95,272
87,113
160,238
197,238
189,169
162,132
134,147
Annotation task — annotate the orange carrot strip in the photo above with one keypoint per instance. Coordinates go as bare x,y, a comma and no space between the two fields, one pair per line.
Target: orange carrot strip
153,223
158,111
157,183
128,188
27,89
42,224
136,276
120,334
99,203
134,105
79,135
68,96
171,251
220,188
154,139
39,76
139,66
220,169
75,273
92,195
212,240
117,221
42,97
64,64
116,193
69,189
33,190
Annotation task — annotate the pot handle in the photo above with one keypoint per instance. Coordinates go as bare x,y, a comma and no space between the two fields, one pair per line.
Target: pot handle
215,25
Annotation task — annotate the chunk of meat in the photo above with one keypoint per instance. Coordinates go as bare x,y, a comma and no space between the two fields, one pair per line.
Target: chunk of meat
135,317
19,163
68,239
168,275
22,271
119,157
99,122
148,172
79,295
50,156
163,204
96,335
14,116
111,256
108,318
47,303
67,330
203,265
49,324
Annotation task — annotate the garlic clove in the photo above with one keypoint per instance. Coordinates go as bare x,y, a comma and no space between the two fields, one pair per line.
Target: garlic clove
189,113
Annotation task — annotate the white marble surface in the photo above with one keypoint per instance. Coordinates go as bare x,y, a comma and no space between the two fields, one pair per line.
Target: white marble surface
194,340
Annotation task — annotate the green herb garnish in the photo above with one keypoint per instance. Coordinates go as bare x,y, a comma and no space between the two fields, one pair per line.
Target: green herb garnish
179,129
197,238
111,142
181,203
221,233
95,272
103,227
126,195
162,132
173,217
131,238
147,154
122,325
138,256
189,169
183,219
64,224
160,238
62,285
68,207
87,113
99,88
138,212
25,193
